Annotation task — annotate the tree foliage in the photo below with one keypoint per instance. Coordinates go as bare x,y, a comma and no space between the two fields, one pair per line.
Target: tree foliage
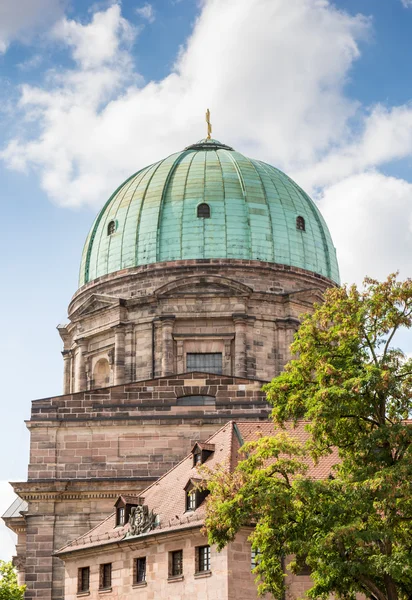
354,529
9,589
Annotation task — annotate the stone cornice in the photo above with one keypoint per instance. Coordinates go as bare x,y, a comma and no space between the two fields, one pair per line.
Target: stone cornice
200,264
58,490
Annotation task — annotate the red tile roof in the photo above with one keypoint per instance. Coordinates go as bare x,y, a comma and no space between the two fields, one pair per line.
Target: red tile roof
167,497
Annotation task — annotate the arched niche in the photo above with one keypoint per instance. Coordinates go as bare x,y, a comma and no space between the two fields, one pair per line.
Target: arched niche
101,373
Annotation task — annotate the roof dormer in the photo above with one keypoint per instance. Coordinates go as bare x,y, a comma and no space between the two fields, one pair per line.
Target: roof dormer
124,506
195,494
201,452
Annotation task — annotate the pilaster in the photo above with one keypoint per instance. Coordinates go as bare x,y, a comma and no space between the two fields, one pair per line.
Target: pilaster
167,322
240,321
67,370
119,354
80,383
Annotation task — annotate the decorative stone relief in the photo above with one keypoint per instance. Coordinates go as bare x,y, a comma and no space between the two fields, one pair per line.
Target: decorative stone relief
141,520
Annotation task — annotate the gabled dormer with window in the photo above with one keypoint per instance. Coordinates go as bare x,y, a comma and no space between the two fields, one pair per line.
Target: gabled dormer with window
201,452
124,507
194,494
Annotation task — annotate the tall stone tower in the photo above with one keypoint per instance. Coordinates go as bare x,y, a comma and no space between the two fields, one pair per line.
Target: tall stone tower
192,281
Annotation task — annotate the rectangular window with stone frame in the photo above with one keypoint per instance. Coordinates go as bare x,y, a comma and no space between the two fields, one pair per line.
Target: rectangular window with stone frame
83,580
176,563
105,578
202,558
139,570
208,362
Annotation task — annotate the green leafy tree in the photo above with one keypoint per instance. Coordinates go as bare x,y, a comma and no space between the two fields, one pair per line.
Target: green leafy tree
353,529
9,589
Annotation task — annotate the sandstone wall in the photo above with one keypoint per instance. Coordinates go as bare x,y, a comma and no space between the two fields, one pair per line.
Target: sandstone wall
144,321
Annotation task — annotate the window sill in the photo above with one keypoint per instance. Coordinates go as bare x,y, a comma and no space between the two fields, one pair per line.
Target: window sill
81,594
173,578
140,584
201,574
105,590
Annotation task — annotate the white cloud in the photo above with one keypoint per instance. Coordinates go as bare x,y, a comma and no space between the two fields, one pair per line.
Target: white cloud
407,3
99,43
386,136
275,95
7,537
19,19
146,12
370,219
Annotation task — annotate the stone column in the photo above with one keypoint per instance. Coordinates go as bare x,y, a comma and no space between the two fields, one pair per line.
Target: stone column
80,383
19,563
167,344
67,371
240,321
129,355
119,354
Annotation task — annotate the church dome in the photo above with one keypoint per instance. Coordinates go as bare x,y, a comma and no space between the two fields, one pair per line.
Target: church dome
206,202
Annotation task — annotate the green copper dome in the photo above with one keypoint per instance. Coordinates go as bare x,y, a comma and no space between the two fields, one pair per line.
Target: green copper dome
254,209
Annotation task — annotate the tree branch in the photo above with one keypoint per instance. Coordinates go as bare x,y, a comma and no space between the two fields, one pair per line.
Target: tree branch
362,418
372,588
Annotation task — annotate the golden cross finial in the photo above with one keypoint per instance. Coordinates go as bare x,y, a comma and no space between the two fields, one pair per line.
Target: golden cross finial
209,125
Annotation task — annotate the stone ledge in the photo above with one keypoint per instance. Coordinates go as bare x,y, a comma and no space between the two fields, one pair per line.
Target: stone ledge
173,578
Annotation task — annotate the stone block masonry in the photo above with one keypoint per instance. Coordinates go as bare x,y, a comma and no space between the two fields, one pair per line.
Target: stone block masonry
88,447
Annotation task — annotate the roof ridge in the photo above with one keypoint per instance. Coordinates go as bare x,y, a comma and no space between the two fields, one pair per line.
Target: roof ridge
181,461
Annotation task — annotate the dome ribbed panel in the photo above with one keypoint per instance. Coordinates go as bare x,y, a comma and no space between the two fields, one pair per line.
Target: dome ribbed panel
253,210
192,241
170,227
238,241
257,210
214,228
147,231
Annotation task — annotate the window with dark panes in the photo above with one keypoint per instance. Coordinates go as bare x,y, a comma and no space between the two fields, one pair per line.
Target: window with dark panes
203,559
111,228
83,579
254,558
105,576
203,211
139,570
176,563
120,516
191,500
300,224
196,401
209,362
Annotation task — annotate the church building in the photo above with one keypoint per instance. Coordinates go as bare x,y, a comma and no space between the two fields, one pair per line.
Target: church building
192,282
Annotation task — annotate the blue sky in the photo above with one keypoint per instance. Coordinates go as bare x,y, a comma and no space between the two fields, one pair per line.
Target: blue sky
92,91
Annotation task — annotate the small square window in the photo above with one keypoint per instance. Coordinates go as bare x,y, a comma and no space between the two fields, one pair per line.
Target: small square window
203,559
176,563
139,570
197,459
83,579
105,576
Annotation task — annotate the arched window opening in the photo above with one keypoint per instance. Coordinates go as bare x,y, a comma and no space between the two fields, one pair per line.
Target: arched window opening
111,228
300,224
101,373
203,211
196,401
